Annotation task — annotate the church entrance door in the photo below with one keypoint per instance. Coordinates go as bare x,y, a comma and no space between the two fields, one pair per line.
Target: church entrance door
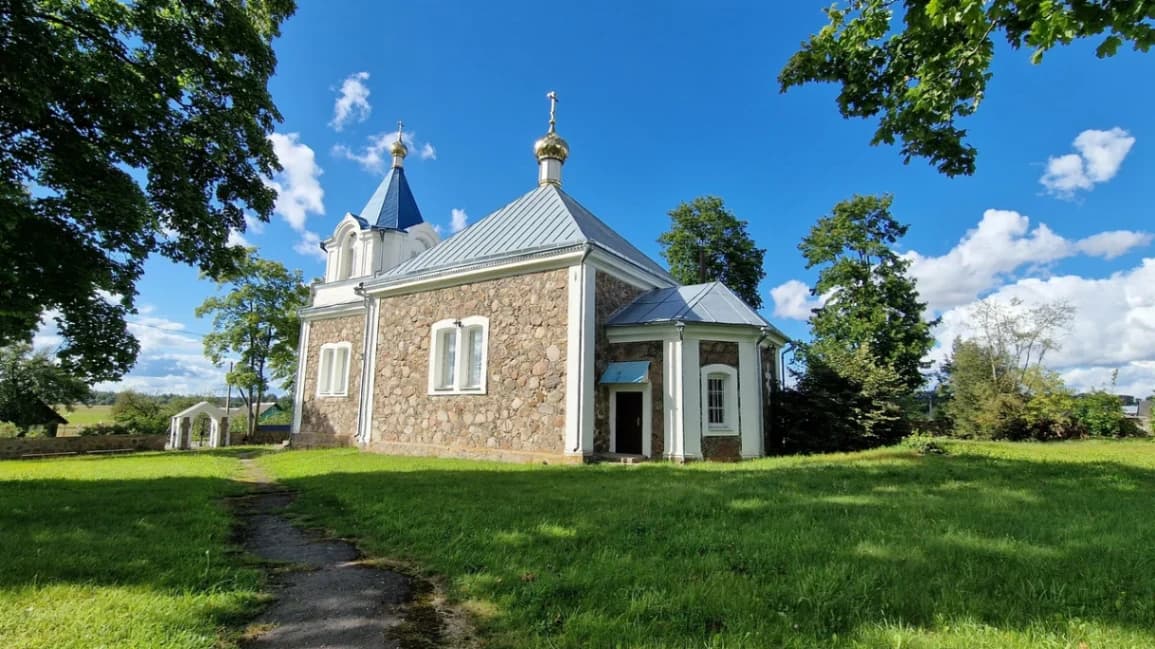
628,422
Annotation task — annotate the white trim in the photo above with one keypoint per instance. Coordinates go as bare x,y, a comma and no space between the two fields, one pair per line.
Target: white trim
402,286
579,388
299,388
667,331
460,357
750,400
627,272
328,312
345,346
369,373
647,417
729,426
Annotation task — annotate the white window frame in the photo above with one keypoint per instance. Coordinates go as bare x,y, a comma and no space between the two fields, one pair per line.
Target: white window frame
461,359
326,372
729,376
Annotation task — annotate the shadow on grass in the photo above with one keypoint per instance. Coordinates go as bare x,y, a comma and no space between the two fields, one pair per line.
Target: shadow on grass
802,555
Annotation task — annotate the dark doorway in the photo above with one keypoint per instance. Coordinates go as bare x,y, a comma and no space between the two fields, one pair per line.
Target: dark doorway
628,423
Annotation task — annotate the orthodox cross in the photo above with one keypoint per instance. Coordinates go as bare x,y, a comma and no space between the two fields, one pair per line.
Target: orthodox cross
552,109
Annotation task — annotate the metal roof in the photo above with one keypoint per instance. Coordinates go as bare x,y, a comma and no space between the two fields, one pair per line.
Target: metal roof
712,303
392,206
544,219
627,372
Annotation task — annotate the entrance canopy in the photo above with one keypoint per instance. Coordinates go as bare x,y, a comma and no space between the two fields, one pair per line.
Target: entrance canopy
627,372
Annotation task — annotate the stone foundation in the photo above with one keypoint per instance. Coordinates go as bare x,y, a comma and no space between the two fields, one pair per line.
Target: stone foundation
722,449
521,415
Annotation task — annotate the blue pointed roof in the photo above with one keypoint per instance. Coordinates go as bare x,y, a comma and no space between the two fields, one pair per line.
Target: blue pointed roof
392,206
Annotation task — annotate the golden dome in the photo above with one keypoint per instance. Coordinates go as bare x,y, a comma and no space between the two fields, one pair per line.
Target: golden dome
551,145
399,149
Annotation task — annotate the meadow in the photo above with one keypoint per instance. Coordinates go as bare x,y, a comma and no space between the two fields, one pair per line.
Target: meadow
992,545
125,551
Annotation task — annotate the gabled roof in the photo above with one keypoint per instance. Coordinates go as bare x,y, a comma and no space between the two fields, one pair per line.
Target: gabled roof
545,219
711,303
392,206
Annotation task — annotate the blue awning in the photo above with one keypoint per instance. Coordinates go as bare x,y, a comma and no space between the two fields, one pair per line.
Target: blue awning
627,372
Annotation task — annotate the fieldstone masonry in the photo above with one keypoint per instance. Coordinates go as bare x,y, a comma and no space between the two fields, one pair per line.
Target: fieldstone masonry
332,416
521,416
610,294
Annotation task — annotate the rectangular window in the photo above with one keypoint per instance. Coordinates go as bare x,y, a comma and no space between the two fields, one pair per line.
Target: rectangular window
447,369
333,370
339,382
716,393
473,358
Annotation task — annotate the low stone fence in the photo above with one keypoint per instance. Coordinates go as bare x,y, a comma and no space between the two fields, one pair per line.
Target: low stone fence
266,434
28,447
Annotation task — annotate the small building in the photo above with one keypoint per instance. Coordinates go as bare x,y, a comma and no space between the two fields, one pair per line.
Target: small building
537,333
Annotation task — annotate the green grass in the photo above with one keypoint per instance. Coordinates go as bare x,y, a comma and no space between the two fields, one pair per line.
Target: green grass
86,415
995,545
129,551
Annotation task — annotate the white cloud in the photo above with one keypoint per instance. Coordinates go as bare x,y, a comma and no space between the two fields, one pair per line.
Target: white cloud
792,300
373,155
1100,154
237,239
353,103
253,224
458,219
310,246
298,184
1002,244
171,360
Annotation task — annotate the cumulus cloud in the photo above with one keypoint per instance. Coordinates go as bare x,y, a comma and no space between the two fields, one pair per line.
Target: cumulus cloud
310,246
792,300
458,219
237,239
1099,154
373,156
1002,244
298,184
352,103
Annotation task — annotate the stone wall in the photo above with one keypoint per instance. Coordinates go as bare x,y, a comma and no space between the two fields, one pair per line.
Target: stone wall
521,416
332,415
15,447
712,352
644,351
725,448
610,294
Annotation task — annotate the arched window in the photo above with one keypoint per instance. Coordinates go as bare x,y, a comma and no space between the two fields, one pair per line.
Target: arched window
719,400
348,251
458,355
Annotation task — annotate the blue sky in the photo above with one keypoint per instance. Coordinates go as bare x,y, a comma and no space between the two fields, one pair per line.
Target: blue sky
664,101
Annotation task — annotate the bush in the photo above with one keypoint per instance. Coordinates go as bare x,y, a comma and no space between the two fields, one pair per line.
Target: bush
107,429
923,444
9,429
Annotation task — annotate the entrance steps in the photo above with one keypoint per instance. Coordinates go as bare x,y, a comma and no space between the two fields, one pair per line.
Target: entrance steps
620,458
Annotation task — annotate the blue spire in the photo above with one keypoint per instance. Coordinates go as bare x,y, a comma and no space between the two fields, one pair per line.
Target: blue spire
392,206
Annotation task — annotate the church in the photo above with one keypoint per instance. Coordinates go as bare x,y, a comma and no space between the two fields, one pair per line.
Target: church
536,334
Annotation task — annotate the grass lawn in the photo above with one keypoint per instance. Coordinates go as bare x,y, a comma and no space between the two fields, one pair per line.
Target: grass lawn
128,551
87,415
994,545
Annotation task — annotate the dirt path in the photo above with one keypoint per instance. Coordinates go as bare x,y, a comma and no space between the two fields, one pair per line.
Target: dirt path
326,597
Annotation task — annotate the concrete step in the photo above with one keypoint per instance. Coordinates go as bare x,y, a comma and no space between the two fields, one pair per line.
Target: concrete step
320,440
620,458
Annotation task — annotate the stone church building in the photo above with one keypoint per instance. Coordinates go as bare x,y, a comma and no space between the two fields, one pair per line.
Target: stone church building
535,334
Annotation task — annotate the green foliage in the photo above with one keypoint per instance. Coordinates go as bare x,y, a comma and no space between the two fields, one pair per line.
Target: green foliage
9,429
111,429
257,321
870,301
148,414
923,444
923,74
1101,415
143,128
707,243
30,383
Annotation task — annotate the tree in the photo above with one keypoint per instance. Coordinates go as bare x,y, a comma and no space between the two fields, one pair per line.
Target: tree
31,381
257,321
706,243
869,300
925,74
126,129
1017,338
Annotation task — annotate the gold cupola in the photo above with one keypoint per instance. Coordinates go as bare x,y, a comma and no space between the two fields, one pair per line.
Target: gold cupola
398,148
551,150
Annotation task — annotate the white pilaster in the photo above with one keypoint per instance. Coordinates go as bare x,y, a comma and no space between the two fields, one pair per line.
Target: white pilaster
672,397
579,394
691,401
368,373
299,388
749,400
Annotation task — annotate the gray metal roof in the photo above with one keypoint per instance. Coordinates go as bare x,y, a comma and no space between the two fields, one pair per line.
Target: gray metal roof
711,303
544,219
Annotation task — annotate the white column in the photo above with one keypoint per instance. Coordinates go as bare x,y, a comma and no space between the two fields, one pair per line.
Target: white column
214,433
749,400
579,375
672,397
368,372
691,401
299,388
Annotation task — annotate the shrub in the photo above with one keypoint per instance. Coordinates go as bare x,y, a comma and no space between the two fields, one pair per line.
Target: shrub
9,429
107,429
923,444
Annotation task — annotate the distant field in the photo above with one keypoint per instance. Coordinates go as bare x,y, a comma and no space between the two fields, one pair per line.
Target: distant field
84,416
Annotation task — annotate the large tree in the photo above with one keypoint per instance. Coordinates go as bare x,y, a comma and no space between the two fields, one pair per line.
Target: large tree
707,243
126,128
30,381
256,323
925,73
868,298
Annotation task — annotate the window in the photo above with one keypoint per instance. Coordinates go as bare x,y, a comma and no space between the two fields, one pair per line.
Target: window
348,248
333,370
458,355
719,400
